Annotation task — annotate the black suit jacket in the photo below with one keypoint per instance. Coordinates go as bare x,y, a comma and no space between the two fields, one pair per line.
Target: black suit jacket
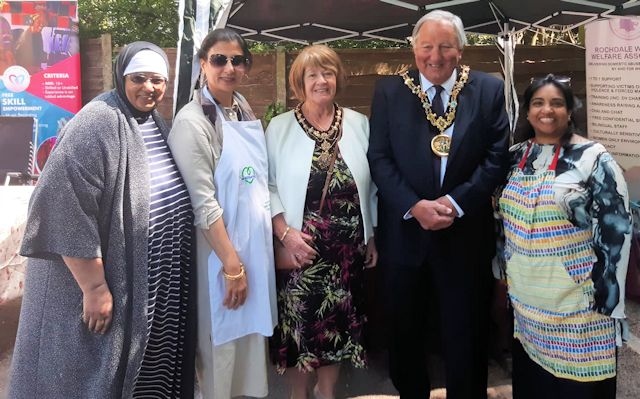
401,164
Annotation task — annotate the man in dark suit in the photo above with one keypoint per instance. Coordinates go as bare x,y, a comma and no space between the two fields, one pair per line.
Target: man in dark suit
436,172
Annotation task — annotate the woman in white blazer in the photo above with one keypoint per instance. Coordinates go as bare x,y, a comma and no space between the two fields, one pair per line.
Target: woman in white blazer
323,205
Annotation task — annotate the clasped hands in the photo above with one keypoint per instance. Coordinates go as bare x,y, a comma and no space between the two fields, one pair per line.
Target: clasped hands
434,215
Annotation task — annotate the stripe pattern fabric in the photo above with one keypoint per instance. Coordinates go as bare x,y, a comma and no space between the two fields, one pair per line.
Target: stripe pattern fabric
549,263
170,220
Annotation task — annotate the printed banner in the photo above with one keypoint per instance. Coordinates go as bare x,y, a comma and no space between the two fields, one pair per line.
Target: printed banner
613,86
40,67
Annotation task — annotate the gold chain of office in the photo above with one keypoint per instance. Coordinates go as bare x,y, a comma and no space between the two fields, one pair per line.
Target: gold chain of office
439,122
326,139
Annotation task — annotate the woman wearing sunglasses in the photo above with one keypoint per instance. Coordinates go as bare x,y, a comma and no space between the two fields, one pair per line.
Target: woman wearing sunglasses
567,227
109,295
323,204
220,148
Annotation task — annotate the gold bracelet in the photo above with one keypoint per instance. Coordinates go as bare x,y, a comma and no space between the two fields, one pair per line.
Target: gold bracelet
286,231
238,276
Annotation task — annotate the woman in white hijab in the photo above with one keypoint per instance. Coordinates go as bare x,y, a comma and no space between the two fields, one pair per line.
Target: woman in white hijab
107,308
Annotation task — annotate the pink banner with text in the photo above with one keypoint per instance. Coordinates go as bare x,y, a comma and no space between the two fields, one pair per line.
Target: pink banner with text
613,86
40,67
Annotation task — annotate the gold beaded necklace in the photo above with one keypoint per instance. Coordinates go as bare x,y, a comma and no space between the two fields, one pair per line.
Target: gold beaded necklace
441,143
327,139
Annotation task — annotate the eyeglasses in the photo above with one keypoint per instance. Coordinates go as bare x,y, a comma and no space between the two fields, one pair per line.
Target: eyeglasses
156,81
561,79
220,60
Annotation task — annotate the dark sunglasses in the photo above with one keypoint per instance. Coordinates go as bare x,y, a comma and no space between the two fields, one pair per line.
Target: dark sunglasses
221,60
563,80
142,79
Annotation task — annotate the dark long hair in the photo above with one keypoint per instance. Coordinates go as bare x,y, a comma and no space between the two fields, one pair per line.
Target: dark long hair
224,35
525,132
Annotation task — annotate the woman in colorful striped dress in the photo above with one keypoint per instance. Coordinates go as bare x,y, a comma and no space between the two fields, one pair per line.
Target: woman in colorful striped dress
109,308
567,228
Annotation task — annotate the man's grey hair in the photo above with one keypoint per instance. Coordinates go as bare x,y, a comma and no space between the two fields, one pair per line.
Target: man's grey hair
441,16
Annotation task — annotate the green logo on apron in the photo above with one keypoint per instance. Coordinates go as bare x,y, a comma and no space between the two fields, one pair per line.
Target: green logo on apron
248,174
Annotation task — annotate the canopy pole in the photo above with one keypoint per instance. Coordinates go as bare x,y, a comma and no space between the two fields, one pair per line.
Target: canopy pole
507,45
197,18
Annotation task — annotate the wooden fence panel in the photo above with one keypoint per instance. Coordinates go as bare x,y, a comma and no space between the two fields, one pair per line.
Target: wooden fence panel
363,67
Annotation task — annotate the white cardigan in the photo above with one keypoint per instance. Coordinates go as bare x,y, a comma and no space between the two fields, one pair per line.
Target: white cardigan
290,152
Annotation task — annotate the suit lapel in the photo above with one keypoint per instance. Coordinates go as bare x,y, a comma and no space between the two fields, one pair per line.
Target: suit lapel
408,111
421,134
410,107
463,118
419,115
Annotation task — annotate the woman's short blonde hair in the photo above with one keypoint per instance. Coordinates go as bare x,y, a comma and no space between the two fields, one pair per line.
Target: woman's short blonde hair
319,56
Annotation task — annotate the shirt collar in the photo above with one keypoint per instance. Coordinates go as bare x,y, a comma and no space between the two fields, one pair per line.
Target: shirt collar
208,95
235,107
447,85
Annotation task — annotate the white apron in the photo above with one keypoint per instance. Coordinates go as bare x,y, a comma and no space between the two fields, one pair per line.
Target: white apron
241,188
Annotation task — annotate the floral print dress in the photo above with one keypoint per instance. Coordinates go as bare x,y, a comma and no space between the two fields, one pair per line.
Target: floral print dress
320,307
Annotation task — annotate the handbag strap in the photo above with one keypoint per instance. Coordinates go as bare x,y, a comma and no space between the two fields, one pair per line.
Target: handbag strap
328,179
330,171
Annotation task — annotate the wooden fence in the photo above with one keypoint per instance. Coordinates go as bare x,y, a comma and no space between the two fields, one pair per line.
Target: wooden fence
267,82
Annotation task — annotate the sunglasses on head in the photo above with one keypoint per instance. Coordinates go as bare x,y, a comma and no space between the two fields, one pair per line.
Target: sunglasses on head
221,60
141,79
563,80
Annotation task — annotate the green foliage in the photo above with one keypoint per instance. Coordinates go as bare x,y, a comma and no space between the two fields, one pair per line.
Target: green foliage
367,43
265,47
475,39
548,37
130,20
273,109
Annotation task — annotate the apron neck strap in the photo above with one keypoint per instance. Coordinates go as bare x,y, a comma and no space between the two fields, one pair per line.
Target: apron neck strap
554,162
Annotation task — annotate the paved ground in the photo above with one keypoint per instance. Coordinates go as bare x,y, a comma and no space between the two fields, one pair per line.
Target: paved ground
374,383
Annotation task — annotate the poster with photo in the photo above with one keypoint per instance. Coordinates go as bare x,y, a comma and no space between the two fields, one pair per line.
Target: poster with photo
40,67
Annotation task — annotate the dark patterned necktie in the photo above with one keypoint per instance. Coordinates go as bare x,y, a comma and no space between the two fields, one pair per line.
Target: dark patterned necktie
438,109
436,104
